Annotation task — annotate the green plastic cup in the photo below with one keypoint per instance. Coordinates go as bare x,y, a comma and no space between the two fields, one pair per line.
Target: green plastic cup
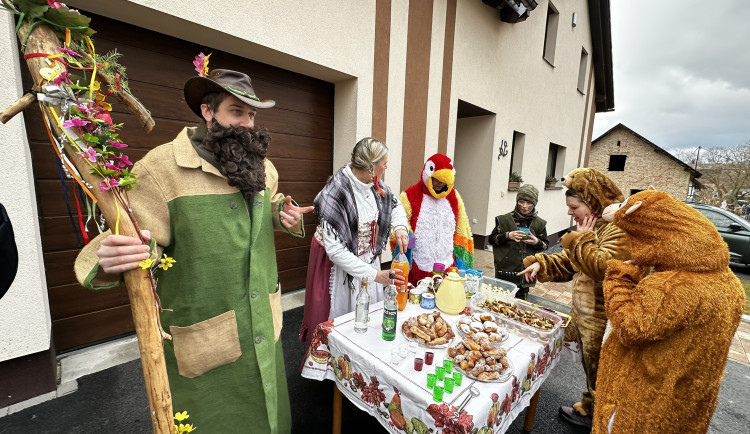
437,394
449,382
458,378
448,365
431,379
440,372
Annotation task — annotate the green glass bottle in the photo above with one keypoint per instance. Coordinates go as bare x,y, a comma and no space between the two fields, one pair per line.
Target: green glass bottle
390,310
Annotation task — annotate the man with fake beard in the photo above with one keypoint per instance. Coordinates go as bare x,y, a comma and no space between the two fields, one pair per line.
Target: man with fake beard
210,201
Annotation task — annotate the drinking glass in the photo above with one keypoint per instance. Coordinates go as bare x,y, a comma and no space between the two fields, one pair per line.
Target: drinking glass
403,350
428,355
437,394
412,347
431,380
448,365
418,363
440,372
458,378
448,384
395,358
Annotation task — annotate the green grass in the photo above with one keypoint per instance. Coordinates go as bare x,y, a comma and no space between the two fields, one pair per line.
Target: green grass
746,285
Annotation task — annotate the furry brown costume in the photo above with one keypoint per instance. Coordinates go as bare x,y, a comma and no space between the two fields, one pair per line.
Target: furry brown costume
662,365
584,260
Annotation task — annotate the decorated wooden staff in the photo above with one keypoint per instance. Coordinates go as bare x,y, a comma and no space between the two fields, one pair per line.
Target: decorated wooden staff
85,139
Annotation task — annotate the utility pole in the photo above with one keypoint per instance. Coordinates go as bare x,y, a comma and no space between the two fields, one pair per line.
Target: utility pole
696,158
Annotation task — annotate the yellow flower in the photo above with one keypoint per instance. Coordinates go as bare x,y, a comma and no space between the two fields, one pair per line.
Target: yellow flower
166,262
101,101
146,264
186,428
181,416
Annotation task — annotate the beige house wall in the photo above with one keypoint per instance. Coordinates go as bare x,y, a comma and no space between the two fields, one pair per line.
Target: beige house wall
499,67
644,166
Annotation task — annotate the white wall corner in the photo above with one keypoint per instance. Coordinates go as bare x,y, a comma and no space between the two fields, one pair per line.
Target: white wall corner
25,319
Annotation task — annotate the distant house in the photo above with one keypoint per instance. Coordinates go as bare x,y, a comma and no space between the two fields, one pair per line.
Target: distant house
634,163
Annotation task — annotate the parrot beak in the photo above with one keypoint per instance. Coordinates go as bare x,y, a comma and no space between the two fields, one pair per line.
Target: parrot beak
441,183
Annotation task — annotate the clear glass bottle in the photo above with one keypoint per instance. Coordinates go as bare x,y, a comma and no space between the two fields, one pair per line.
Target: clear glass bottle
362,311
390,310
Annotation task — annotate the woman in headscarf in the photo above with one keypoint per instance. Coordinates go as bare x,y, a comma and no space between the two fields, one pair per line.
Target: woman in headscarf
584,261
517,234
356,211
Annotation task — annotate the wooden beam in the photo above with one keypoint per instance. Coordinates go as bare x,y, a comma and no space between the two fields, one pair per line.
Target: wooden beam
142,301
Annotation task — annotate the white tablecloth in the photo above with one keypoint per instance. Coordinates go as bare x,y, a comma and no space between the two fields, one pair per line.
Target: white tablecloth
354,360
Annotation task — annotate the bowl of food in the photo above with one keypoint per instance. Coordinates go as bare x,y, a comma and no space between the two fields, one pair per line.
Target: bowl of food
480,360
428,330
482,325
519,317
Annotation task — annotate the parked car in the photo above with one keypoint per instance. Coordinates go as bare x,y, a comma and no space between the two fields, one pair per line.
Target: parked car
734,229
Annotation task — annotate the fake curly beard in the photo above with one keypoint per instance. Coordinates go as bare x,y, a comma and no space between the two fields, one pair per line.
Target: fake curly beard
240,152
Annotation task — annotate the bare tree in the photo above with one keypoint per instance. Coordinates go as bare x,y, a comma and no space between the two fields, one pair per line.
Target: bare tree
688,156
728,169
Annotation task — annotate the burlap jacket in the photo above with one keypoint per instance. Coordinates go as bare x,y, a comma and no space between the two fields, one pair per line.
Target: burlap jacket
225,363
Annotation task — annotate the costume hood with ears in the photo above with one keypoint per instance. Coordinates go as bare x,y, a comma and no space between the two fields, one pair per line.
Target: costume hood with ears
667,234
594,188
438,167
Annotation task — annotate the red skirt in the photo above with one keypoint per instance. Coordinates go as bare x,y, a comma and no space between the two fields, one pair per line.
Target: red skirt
317,290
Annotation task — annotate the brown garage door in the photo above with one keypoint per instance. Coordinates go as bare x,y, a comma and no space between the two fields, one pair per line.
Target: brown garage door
302,130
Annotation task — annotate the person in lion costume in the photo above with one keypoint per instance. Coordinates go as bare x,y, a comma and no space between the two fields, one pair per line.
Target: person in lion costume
584,262
673,309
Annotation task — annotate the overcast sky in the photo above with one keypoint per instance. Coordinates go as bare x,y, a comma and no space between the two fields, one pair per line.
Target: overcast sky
681,72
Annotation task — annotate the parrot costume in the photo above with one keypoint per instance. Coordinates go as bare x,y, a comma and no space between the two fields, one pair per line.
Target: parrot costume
438,220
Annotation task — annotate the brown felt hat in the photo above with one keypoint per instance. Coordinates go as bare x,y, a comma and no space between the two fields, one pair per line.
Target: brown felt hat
234,83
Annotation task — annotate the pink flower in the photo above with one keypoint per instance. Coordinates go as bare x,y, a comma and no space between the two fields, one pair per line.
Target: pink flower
54,4
90,154
67,51
75,122
83,108
108,183
111,166
117,144
61,78
125,161
201,64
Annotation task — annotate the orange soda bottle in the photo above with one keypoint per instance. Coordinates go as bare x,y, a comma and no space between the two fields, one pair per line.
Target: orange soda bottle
401,265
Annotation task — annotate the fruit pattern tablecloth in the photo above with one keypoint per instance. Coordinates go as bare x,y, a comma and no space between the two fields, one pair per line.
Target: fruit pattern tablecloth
397,396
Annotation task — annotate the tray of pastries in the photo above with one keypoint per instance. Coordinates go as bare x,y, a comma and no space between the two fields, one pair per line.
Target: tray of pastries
428,330
482,325
481,360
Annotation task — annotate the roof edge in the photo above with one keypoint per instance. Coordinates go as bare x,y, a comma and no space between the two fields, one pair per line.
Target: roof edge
601,37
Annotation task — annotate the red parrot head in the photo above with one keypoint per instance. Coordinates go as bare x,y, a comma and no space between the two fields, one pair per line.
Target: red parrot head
438,176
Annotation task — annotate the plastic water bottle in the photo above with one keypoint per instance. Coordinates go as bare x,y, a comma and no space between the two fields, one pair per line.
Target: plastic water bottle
471,282
362,311
390,310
